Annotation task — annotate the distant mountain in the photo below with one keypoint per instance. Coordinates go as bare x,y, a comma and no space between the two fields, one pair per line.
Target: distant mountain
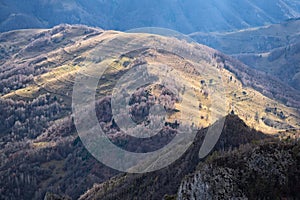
183,16
259,39
281,62
273,49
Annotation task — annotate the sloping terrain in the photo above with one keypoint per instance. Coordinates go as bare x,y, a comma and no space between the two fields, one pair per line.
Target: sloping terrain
179,15
273,49
245,164
267,170
281,62
48,64
40,148
253,40
166,182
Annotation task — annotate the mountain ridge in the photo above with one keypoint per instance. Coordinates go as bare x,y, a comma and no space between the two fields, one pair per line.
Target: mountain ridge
167,180
66,45
194,16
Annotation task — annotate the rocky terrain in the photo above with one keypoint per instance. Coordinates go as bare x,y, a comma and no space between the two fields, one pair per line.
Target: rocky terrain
267,170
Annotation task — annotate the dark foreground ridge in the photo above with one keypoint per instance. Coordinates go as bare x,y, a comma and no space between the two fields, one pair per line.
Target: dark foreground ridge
166,182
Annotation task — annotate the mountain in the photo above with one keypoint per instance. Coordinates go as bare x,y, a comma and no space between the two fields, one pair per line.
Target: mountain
186,17
43,61
259,39
166,182
280,62
254,172
41,151
264,166
273,49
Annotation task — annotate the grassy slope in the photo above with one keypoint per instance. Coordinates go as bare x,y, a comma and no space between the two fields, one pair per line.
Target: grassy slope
64,61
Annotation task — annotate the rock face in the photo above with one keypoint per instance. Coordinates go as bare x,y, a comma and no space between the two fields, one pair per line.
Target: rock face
221,185
265,171
194,188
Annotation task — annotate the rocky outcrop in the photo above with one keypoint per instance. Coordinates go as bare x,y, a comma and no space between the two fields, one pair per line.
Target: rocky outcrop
266,171
194,187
